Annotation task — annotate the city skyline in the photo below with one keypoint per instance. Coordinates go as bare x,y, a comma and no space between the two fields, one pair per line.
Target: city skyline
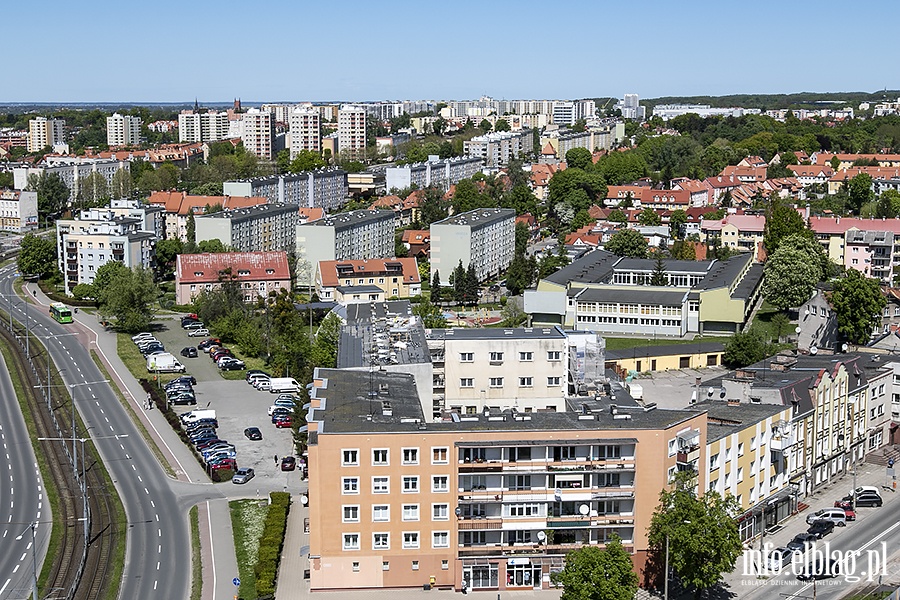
394,51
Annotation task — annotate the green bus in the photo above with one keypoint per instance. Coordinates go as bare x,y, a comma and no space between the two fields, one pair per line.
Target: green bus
60,312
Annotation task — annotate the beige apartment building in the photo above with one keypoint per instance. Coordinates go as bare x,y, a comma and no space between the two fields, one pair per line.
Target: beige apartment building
486,501
259,133
352,131
43,132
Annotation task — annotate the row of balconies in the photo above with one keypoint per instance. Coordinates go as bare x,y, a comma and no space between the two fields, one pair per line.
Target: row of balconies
612,464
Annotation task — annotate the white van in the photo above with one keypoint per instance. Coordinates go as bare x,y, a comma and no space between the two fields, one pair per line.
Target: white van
195,415
835,515
280,385
164,363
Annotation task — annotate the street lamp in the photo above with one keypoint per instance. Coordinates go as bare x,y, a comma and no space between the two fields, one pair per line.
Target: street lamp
34,587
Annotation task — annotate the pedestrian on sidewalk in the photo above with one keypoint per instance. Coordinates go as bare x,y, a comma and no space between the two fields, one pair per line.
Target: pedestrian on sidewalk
276,460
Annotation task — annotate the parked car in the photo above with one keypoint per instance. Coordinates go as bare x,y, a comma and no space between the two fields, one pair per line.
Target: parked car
778,558
198,332
192,324
231,364
220,353
189,352
280,404
209,443
152,349
253,433
263,385
147,342
255,374
287,397
868,499
206,344
835,515
821,568
864,489
283,422
821,528
288,463
281,413
800,540
188,379
144,335
847,507
225,463
182,398
243,476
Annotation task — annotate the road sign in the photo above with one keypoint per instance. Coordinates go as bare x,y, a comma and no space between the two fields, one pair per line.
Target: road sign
890,462
236,581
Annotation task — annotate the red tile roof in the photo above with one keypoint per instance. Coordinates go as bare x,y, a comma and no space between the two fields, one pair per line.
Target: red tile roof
830,225
255,266
328,269
308,214
182,204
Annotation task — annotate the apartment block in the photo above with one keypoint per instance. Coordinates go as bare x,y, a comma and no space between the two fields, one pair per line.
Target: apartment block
18,211
352,131
346,281
496,149
306,131
484,237
322,188
178,207
260,228
96,237
44,132
354,235
208,126
741,232
439,173
259,133
123,130
257,273
485,501
71,169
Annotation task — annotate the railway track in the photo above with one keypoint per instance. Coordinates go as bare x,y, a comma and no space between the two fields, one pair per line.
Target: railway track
77,574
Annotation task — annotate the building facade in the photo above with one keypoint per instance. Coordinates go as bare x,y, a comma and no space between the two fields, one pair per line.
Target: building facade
439,173
394,277
322,188
44,132
497,149
484,237
352,131
18,211
260,228
209,126
306,131
259,133
123,130
71,169
257,273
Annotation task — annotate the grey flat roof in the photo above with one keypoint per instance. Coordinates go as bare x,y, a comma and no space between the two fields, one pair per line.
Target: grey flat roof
593,267
749,283
382,333
488,333
672,266
350,219
359,289
668,350
724,272
725,419
251,212
647,295
355,401
479,217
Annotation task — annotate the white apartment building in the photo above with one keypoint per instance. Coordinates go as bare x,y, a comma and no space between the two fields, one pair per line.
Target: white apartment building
352,130
96,237
18,211
43,132
259,228
354,235
439,173
323,188
210,126
259,133
306,131
123,130
71,169
496,149
484,237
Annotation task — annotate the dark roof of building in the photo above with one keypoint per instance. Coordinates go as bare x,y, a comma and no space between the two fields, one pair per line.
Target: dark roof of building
381,333
251,212
746,288
723,273
387,402
654,295
353,218
669,350
593,267
479,217
359,289
485,333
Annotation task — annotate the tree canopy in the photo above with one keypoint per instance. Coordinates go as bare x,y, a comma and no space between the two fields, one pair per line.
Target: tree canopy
129,296
781,222
745,348
790,278
593,573
858,302
627,242
37,256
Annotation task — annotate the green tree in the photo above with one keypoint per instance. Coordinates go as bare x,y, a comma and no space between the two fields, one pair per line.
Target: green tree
468,197
37,256
121,184
52,193
813,251
82,291
433,207
617,216
431,315
458,280
579,158
789,278
306,160
436,292
521,199
471,285
105,275
592,573
835,163
485,126
93,191
682,250
649,217
627,242
167,252
743,349
677,222
502,125
860,191
213,188
658,277
781,222
214,246
191,230
522,237
520,275
129,297
858,303
702,533
888,206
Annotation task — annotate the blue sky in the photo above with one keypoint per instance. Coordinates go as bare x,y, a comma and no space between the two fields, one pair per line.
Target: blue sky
297,50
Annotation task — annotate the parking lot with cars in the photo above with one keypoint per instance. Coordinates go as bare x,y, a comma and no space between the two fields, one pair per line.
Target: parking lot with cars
238,406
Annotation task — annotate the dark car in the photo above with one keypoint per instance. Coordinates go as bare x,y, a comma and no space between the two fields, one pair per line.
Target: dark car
800,540
189,352
208,343
203,437
182,398
204,445
288,463
232,365
184,379
216,355
821,528
150,349
253,433
188,322
822,568
868,499
281,413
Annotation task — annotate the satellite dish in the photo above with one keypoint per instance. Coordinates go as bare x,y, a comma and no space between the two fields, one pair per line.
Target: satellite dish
710,392
584,509
813,350
541,536
798,329
844,347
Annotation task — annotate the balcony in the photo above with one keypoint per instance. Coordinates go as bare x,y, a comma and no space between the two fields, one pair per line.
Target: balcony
687,455
481,465
480,523
568,521
781,443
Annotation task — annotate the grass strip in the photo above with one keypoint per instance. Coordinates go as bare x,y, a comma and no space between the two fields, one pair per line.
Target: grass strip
151,443
120,522
248,519
613,343
135,361
196,559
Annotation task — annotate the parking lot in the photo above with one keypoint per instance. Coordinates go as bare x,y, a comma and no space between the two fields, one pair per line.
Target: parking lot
238,406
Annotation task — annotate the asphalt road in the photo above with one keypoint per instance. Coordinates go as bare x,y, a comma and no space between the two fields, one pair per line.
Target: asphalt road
158,561
21,498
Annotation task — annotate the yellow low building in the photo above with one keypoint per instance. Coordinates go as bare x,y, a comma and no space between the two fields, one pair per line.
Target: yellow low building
642,359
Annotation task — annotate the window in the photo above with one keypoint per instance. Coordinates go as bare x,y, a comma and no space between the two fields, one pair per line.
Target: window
673,445
496,382
386,565
466,357
351,513
411,541
553,355
411,484
466,382
440,483
440,512
410,512
380,485
410,456
355,567
526,356
415,564
381,513
380,457
474,538
741,449
439,456
350,485
440,539
381,541
350,458
525,381
553,381
445,564
351,541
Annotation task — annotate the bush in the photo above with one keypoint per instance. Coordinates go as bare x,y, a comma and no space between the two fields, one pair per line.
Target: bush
271,543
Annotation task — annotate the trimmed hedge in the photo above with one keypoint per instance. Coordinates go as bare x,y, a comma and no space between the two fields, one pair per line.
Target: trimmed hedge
57,297
271,543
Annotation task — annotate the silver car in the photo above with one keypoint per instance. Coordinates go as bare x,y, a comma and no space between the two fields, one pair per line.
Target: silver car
243,476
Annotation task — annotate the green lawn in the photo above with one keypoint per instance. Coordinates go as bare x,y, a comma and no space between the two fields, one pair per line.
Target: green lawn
251,363
136,362
766,322
196,559
627,343
247,521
